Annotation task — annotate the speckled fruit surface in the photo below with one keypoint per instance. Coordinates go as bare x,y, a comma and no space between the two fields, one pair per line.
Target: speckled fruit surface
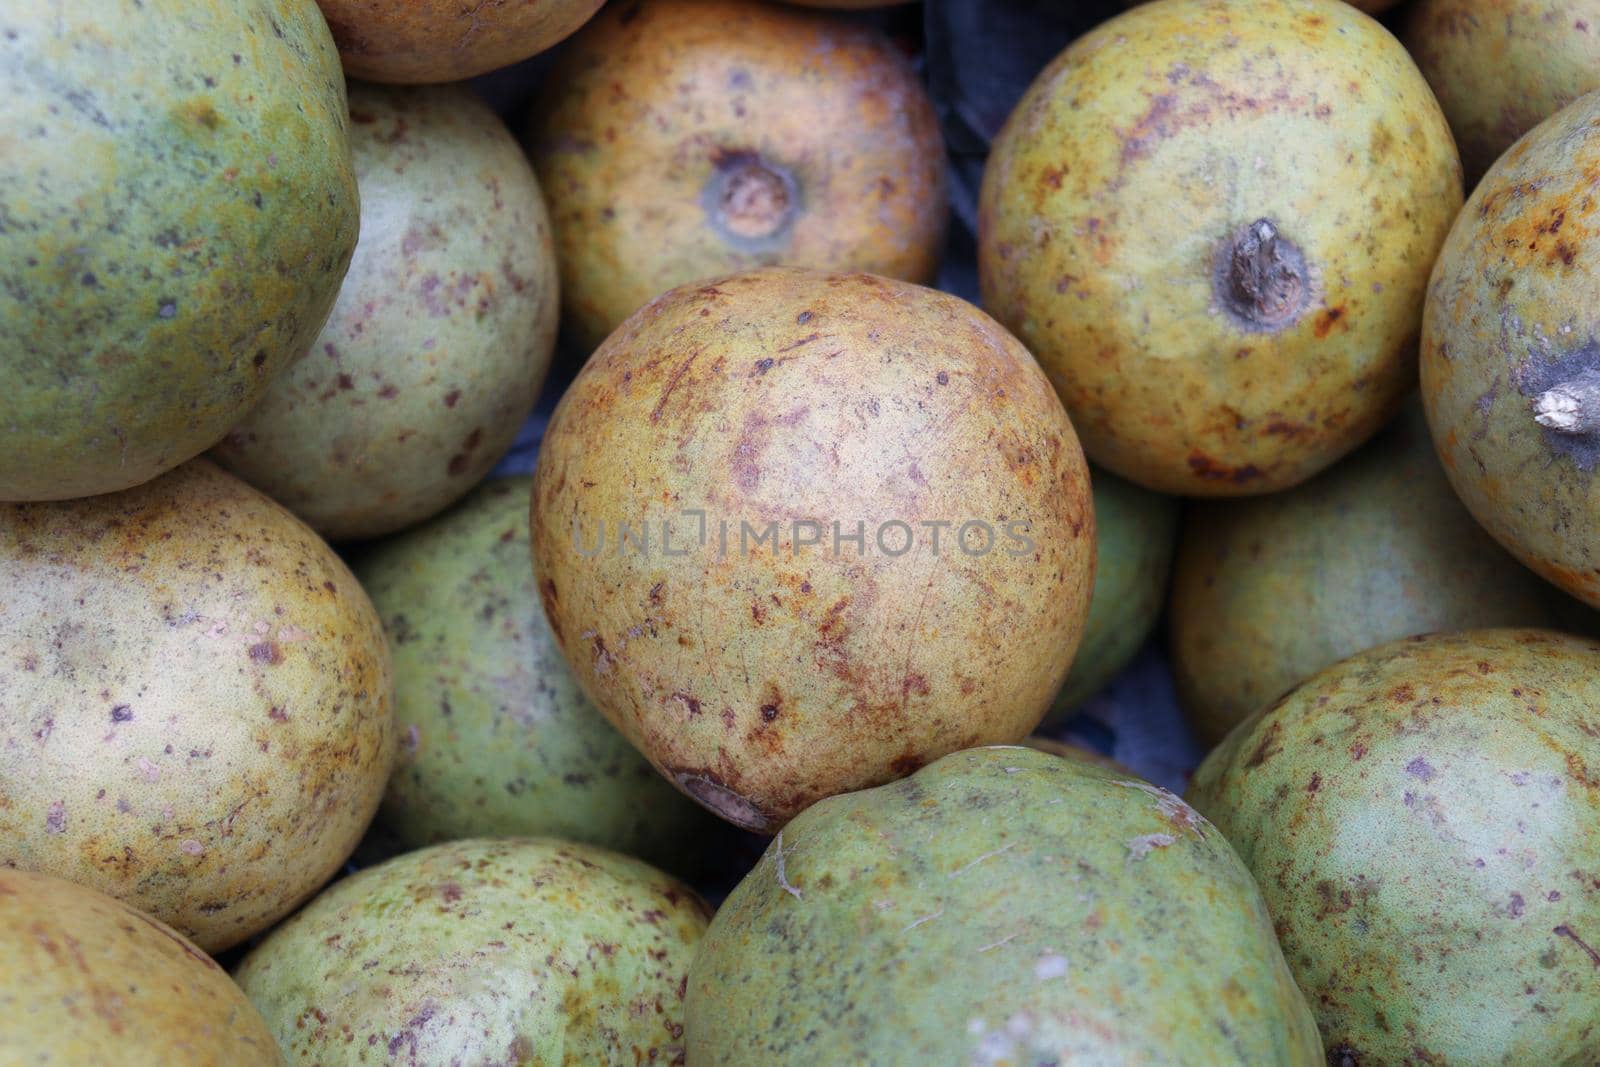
1500,67
194,701
1212,222
177,207
684,139
88,979
1268,592
496,739
1512,328
440,339
1424,822
1000,906
417,41
486,952
772,663
1135,532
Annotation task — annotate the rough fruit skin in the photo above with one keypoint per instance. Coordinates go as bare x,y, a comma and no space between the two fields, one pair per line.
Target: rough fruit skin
1511,312
769,675
1000,906
1268,592
1120,205
508,951
1500,67
441,336
496,738
1135,532
194,701
655,111
177,207
422,41
1422,819
88,979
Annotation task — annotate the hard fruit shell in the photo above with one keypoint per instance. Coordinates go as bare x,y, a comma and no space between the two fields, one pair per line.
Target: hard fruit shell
999,906
440,339
179,207
766,674
657,109
194,701
1500,67
1511,313
87,979
1424,822
511,951
1135,168
496,739
422,41
1268,592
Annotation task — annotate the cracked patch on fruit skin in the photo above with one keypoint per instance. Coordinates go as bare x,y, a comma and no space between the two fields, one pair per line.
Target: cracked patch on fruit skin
686,139
177,208
1424,822
507,951
195,701
1001,905
1213,225
1510,315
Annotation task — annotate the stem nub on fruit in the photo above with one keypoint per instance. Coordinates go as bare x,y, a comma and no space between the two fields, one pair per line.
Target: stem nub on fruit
1260,277
750,201
1570,407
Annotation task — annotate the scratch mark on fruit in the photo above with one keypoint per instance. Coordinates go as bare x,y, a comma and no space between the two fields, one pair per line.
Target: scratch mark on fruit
779,857
987,855
1143,845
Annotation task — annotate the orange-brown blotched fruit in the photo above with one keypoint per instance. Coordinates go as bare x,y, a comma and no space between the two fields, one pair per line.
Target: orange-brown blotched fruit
1511,350
685,139
1213,223
422,41
858,535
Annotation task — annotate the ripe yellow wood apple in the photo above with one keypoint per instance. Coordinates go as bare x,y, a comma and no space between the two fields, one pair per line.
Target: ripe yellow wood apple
1212,222
685,139
194,701
745,429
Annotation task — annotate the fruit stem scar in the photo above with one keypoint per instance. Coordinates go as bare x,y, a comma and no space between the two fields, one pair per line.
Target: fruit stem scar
750,201
1570,407
1260,277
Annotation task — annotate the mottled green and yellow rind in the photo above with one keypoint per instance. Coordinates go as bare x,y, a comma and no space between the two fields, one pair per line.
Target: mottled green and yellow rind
496,739
515,951
1000,906
177,208
1424,822
1116,186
